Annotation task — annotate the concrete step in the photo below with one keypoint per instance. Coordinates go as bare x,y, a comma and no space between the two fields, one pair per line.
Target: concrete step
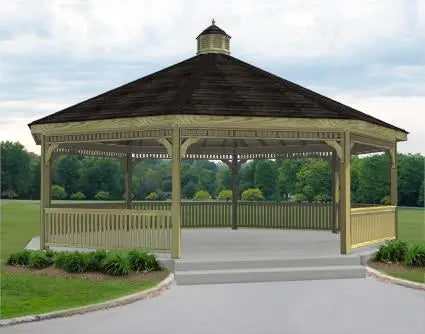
184,265
269,274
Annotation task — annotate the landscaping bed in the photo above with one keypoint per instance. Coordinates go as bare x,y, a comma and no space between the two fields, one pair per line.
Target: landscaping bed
401,259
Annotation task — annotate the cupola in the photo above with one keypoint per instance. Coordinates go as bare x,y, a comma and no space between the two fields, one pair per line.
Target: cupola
213,40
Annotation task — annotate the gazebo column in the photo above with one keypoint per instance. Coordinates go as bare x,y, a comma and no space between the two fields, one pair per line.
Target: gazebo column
393,184
45,187
234,171
128,168
345,201
176,194
335,191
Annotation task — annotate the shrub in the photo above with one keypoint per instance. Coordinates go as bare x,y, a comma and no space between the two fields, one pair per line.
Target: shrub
142,261
252,194
116,263
152,196
20,258
39,259
392,251
75,262
225,194
95,259
102,195
202,195
58,192
78,196
300,198
415,255
386,200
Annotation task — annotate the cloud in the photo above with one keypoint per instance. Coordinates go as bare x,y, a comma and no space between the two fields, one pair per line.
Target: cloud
56,53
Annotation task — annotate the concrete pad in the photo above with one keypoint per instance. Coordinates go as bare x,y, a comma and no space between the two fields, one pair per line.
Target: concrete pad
328,306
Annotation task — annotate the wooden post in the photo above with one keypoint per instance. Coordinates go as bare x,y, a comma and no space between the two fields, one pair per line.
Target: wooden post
393,185
335,191
175,195
345,203
234,170
128,166
45,201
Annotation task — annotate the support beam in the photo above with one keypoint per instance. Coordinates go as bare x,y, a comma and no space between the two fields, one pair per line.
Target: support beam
335,191
45,198
176,194
393,184
345,203
128,168
234,169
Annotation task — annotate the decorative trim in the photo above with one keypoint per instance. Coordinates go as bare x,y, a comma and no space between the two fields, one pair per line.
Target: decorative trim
253,133
167,144
49,152
147,294
337,147
371,141
110,136
189,141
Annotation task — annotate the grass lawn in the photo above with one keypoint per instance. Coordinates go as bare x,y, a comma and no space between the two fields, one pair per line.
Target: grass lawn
23,294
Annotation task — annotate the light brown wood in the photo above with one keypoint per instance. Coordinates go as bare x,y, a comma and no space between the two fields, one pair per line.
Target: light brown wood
45,191
345,203
335,190
176,194
393,185
128,164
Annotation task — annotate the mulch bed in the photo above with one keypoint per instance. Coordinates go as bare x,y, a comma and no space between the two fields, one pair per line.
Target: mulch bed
393,267
157,276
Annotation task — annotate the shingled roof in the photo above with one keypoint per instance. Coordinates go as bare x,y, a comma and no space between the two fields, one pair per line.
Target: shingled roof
210,84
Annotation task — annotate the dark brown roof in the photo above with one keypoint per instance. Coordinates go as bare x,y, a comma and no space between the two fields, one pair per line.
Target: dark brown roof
210,84
213,29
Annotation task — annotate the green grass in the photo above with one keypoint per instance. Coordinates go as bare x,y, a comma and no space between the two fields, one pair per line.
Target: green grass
413,275
412,224
23,294
29,294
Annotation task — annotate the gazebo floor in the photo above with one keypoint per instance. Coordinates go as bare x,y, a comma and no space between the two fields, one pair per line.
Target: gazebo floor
225,244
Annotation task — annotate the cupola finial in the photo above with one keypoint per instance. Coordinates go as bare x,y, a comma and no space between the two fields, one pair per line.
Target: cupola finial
213,21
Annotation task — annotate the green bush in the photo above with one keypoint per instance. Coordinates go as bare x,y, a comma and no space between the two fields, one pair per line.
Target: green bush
392,251
95,259
116,263
153,196
78,196
202,195
252,194
415,255
142,261
20,258
73,262
58,192
225,195
39,259
386,200
102,195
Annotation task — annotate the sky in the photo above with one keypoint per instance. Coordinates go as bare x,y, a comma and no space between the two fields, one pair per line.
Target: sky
367,54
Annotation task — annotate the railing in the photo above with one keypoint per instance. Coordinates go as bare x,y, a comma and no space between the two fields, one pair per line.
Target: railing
370,225
290,215
108,228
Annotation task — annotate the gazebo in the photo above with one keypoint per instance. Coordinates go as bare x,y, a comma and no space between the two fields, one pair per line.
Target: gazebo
212,106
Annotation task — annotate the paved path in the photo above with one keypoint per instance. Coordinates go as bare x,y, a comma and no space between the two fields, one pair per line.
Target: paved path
332,306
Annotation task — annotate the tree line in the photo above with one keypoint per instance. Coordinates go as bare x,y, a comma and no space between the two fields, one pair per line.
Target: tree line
301,179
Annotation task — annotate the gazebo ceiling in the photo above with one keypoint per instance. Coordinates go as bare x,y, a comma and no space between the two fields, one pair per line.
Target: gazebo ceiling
213,84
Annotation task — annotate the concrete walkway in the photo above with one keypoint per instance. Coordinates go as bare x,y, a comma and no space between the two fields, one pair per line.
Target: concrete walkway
330,306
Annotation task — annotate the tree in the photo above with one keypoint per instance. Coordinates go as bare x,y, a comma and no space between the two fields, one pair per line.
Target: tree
252,194
189,190
265,178
314,179
224,178
153,196
225,195
58,192
421,195
102,196
287,177
67,173
202,195
410,178
15,169
78,196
